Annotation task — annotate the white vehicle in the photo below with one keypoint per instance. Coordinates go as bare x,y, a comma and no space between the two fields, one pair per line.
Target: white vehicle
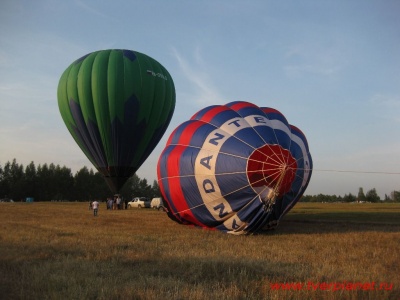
139,203
157,203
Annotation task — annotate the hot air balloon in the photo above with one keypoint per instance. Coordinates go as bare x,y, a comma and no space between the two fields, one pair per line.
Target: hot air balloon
237,168
117,105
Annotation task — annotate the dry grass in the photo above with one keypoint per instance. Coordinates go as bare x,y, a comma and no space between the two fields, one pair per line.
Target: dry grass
60,251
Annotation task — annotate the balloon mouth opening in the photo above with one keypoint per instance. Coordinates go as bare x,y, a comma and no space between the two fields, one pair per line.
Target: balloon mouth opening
116,176
271,171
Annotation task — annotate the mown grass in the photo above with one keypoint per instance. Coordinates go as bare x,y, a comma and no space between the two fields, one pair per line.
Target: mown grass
60,251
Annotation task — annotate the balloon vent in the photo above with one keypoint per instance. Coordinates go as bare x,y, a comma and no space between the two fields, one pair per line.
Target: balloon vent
271,171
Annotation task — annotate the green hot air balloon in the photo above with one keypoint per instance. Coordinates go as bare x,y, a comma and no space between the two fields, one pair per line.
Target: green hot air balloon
117,105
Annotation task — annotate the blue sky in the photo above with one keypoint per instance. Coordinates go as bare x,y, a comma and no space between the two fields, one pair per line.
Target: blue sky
331,67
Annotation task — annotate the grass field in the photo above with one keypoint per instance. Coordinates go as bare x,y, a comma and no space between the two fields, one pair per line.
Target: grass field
319,251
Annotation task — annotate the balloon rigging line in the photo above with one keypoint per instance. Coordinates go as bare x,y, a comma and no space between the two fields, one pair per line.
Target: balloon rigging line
225,173
231,154
258,194
356,172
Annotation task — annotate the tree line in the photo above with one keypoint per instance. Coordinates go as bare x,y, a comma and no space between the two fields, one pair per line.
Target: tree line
55,183
371,196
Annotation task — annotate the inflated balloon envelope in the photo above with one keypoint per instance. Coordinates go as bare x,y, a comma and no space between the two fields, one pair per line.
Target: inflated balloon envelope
117,105
238,168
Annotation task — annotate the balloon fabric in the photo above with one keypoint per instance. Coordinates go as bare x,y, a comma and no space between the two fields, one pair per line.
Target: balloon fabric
117,105
237,168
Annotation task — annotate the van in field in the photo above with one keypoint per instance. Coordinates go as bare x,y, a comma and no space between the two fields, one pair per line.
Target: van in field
157,203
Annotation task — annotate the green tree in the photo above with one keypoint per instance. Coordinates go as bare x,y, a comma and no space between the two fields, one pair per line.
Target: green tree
31,180
43,188
145,189
349,198
306,198
100,189
1,182
361,195
132,187
5,180
16,181
52,183
372,196
89,185
81,183
155,190
64,183
395,195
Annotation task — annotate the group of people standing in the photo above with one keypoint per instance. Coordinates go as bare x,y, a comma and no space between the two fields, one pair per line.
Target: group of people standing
112,203
116,203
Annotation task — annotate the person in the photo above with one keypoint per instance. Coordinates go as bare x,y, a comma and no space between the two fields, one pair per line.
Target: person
109,203
95,206
115,203
118,202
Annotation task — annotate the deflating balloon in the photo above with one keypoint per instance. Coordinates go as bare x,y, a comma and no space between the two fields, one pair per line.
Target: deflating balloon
237,168
116,104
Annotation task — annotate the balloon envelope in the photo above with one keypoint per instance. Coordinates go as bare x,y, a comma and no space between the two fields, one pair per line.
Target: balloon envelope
237,168
116,104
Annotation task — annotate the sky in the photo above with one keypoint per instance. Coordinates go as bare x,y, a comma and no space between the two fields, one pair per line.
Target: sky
331,67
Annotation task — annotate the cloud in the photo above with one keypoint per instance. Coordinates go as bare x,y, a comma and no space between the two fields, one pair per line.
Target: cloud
313,58
391,101
93,11
387,105
201,90
90,9
294,70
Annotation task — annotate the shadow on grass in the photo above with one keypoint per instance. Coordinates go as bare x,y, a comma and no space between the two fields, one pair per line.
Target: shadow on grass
65,277
74,278
337,222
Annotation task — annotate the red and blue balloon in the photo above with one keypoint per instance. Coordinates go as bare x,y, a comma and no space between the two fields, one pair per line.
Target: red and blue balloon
237,168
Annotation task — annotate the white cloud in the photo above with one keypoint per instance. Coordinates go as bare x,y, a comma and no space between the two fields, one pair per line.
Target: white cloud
315,58
387,105
201,91
294,70
391,101
96,12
